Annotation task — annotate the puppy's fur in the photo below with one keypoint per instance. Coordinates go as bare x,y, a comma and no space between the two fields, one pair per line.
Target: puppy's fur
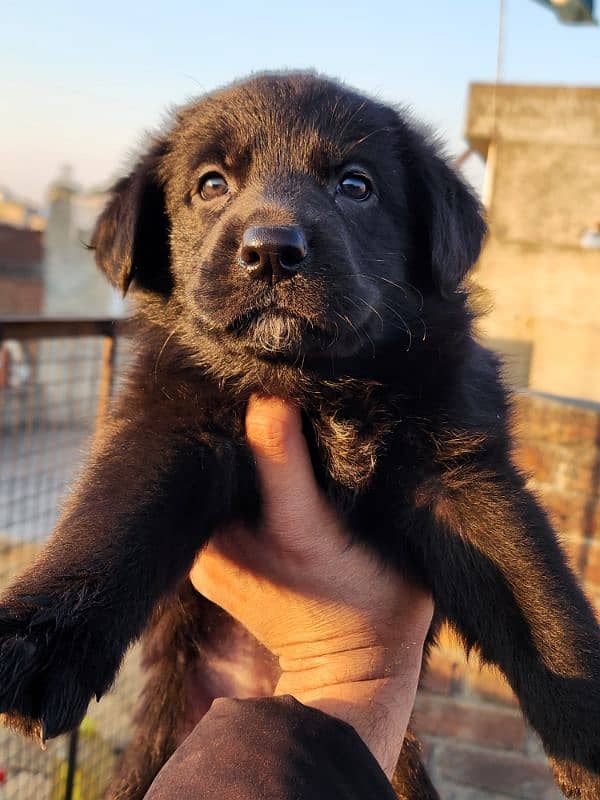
405,415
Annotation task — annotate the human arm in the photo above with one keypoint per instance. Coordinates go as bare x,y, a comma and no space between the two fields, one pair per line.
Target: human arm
348,632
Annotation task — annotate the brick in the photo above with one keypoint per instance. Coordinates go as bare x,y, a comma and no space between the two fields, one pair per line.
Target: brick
534,748
453,791
427,749
445,672
511,774
571,470
584,557
573,513
590,562
485,725
538,460
581,475
485,683
555,420
573,547
594,598
20,296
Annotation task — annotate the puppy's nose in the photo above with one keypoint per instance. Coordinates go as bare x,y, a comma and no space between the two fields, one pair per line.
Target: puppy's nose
273,253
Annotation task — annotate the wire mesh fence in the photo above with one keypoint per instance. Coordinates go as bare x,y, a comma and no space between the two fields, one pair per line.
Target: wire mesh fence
56,377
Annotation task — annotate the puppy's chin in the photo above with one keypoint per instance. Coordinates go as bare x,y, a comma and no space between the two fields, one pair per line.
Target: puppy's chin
276,334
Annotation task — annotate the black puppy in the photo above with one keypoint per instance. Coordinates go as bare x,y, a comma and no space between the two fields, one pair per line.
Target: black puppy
291,237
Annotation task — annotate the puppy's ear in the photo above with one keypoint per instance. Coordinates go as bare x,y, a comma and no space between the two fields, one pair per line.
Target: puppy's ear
131,237
450,222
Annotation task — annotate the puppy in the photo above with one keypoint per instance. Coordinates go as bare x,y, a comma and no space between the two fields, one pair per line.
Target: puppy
289,236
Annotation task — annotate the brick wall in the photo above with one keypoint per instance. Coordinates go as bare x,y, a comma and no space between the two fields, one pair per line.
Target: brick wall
21,295
476,744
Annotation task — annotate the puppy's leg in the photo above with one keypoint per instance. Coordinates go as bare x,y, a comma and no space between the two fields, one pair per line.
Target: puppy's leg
193,652
147,502
499,576
164,713
411,781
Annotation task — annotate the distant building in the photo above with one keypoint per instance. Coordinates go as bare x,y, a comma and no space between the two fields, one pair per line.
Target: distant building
45,266
21,258
46,269
540,263
73,283
18,213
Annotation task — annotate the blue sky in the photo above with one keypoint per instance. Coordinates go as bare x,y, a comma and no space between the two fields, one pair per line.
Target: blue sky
81,81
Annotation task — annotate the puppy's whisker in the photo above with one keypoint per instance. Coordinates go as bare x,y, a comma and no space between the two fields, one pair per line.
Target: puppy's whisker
362,327
335,337
403,321
384,280
411,286
419,294
389,254
368,305
349,322
162,350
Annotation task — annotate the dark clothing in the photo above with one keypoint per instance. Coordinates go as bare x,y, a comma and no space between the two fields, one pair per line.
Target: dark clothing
271,749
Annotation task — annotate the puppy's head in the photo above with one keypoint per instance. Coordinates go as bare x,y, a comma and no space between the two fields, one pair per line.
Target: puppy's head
289,216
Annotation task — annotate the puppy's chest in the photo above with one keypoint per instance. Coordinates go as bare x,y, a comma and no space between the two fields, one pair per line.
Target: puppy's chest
347,448
348,437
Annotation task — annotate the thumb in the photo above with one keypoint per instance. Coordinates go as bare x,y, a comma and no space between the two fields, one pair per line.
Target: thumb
274,433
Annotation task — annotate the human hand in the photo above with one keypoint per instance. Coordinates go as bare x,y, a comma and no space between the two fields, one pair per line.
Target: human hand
348,632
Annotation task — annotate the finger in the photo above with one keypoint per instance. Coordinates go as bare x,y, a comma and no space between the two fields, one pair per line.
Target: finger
274,433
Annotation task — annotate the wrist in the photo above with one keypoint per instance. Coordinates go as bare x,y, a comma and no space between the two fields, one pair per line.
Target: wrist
368,688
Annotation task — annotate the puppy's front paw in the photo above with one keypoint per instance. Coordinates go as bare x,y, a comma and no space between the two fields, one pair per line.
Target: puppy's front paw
51,665
575,781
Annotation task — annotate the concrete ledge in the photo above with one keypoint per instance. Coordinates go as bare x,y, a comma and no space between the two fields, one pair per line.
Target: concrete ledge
559,114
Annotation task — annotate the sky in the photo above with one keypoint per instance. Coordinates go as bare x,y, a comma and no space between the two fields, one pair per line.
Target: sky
81,81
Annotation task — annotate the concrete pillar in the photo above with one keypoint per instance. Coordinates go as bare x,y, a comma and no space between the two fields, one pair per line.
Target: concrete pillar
542,192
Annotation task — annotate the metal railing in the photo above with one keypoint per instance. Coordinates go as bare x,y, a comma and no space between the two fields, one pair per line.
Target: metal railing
56,379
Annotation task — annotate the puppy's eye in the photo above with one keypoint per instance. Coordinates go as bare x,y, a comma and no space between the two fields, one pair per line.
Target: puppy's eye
355,185
212,185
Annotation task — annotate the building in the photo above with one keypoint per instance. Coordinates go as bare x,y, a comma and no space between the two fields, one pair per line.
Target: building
19,214
21,258
542,191
67,281
73,284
